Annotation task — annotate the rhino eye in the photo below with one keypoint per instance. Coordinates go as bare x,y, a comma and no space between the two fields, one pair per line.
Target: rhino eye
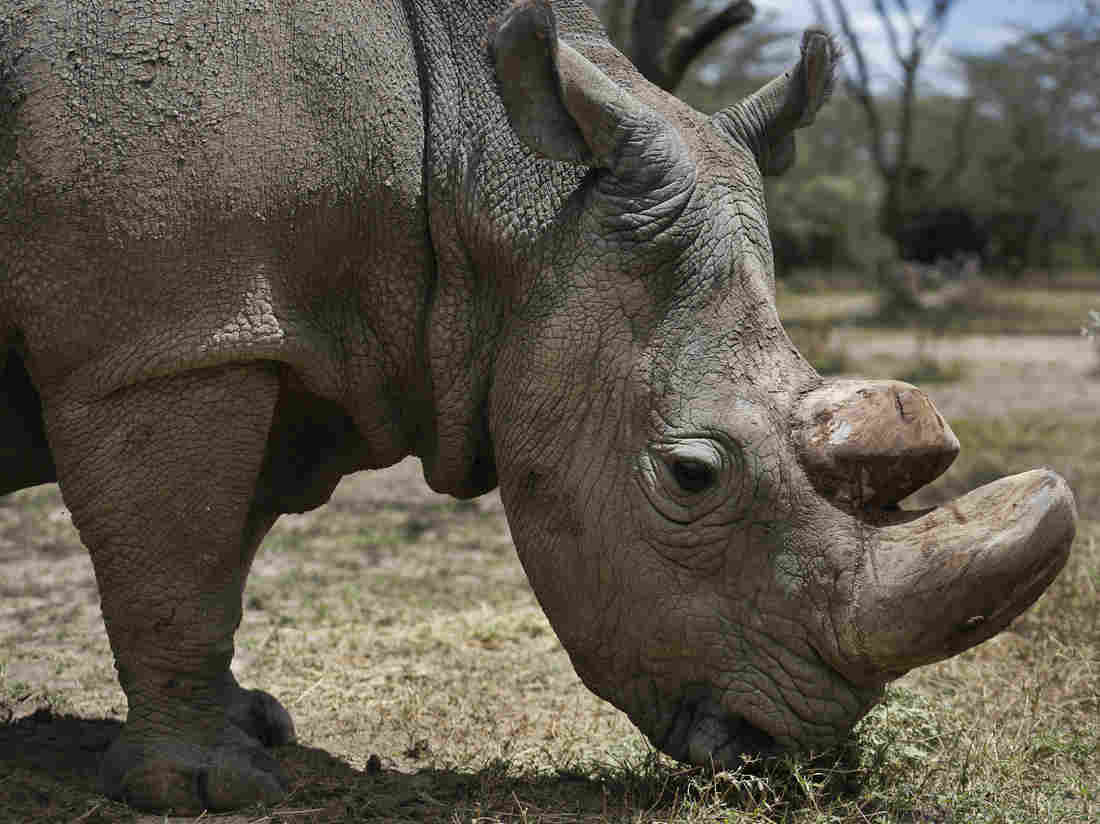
692,475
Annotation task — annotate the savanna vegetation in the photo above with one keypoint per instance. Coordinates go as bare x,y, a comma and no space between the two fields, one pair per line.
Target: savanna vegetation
1002,167
397,625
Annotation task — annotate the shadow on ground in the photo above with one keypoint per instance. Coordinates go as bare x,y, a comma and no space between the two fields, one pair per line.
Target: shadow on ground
49,771
49,767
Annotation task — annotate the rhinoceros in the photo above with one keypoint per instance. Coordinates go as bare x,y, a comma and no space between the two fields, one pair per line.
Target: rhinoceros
248,248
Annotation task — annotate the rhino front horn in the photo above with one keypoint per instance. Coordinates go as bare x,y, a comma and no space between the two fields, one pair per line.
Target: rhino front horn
936,582
868,444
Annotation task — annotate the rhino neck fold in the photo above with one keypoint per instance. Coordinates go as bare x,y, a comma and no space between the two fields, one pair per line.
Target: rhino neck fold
487,197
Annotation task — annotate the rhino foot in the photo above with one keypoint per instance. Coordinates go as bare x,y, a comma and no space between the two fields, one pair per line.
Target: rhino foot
160,772
261,716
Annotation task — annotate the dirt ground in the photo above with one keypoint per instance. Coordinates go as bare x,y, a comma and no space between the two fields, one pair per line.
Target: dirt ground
1002,374
395,623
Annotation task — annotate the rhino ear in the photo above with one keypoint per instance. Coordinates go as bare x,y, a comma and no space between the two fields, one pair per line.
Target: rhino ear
560,104
766,121
526,51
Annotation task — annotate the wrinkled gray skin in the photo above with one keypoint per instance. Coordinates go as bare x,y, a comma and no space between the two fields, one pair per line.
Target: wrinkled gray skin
249,248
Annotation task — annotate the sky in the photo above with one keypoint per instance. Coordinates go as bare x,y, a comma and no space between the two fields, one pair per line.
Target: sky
972,26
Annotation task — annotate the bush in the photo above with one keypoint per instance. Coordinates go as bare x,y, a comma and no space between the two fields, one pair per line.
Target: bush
927,294
825,222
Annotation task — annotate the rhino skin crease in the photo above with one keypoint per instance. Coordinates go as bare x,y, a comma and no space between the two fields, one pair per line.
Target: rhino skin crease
246,249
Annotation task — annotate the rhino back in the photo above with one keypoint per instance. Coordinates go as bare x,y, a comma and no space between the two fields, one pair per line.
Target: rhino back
189,183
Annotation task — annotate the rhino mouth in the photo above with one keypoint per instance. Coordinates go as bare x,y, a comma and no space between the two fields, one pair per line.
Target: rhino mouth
934,582
703,733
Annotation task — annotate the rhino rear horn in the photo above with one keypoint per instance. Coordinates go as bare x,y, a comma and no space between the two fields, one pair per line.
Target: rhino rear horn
766,120
564,107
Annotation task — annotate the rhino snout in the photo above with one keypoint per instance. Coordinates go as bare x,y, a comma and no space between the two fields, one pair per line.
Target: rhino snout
927,584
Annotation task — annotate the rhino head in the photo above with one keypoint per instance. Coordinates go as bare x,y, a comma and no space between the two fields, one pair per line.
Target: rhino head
710,526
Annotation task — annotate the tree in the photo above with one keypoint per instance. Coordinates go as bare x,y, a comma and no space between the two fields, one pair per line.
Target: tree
1042,159
891,139
822,211
663,38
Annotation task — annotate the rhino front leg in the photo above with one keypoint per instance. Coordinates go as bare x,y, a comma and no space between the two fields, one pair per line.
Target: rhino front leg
160,480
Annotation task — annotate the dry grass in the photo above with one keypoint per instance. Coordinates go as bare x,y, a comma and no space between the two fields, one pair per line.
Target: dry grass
987,308
398,628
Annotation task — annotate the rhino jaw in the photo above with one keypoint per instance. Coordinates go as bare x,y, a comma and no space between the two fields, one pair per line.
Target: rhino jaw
936,582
